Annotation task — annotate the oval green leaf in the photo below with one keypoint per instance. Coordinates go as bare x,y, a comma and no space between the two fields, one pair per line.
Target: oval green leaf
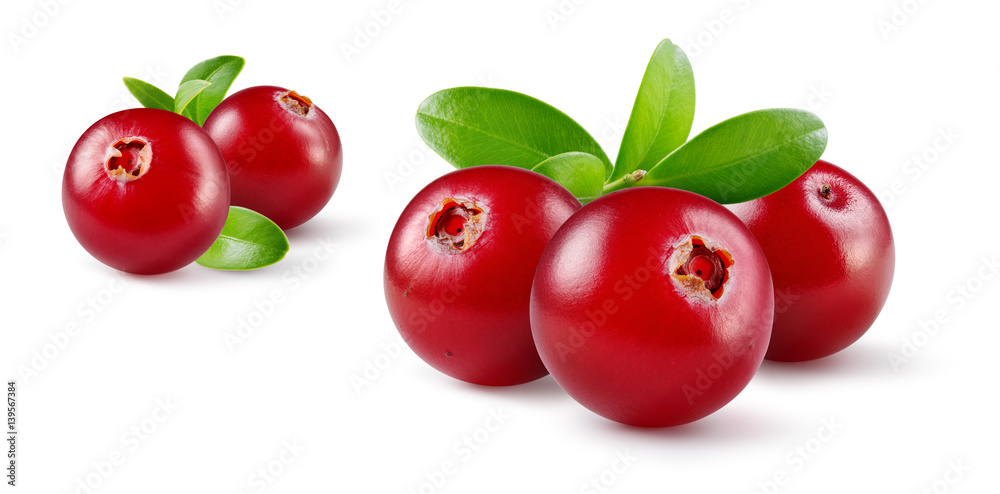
248,241
188,92
221,72
745,157
471,126
662,114
149,95
581,173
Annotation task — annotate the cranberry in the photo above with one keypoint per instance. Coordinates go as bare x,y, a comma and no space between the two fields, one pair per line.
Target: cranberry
652,306
459,266
831,253
145,191
283,152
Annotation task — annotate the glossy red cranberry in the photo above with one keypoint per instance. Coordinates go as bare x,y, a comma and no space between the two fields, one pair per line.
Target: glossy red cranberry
283,152
652,306
145,191
831,253
459,266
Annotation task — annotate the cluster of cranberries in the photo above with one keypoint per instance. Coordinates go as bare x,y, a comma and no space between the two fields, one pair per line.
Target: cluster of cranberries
650,306
147,191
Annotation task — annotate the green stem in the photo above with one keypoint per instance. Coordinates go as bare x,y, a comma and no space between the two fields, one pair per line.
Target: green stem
630,180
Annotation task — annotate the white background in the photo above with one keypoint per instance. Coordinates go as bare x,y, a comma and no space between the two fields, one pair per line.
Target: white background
885,93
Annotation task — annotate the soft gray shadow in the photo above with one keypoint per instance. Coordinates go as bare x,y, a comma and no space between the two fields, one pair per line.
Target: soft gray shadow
544,388
336,228
855,361
302,239
194,274
730,425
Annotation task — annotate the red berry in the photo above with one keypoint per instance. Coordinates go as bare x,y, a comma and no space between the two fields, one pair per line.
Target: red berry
145,191
652,306
459,266
831,253
283,152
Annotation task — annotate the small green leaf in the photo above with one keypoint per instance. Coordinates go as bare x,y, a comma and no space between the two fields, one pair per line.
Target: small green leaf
663,111
248,241
745,157
149,95
188,92
221,72
471,126
581,173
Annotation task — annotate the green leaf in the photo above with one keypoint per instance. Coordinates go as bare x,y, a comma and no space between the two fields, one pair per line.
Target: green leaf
188,92
188,112
471,126
149,95
745,157
581,173
248,241
221,72
662,114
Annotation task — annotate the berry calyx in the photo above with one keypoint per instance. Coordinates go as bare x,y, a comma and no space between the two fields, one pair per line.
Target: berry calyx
296,103
701,271
706,265
128,159
456,225
826,191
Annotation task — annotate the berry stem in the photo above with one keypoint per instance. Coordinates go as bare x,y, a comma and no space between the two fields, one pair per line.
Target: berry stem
630,180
